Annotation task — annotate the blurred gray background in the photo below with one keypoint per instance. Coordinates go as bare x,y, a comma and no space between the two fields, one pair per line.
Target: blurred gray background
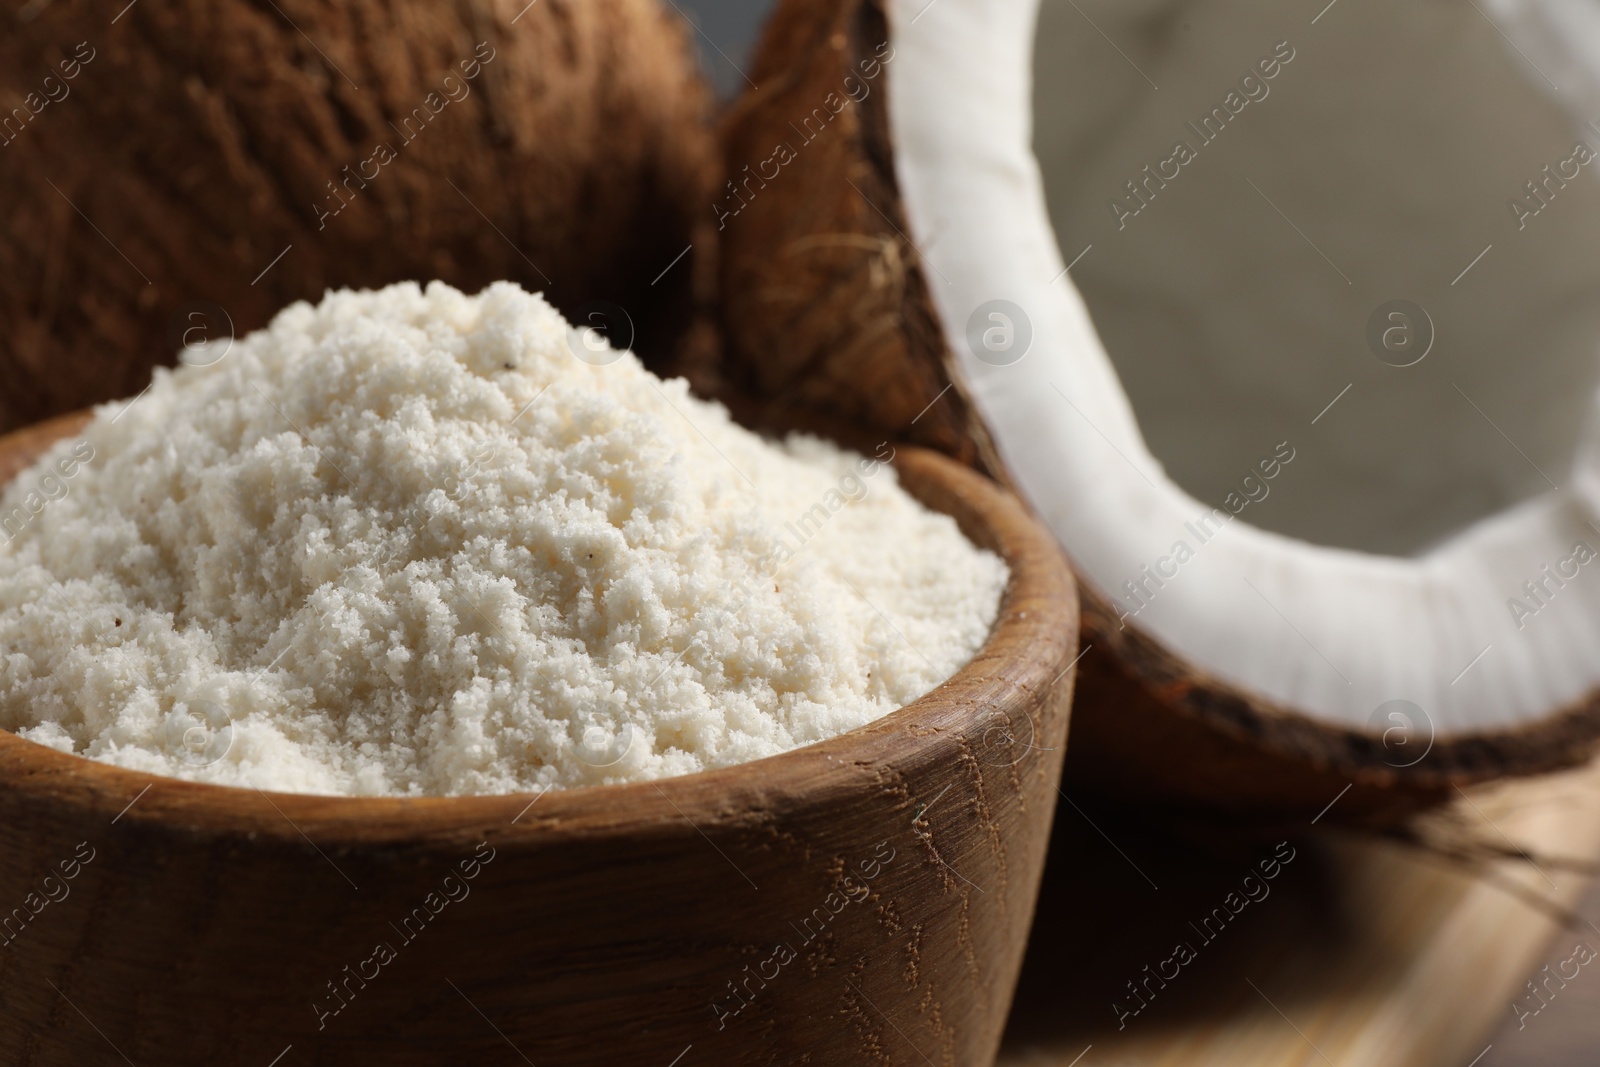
727,33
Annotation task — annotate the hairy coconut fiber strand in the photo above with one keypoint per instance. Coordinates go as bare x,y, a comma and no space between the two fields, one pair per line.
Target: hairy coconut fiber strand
559,144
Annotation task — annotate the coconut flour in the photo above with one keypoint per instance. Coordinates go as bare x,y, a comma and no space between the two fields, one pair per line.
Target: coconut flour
408,542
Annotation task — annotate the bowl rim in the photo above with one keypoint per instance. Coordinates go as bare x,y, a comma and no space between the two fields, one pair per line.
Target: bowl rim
1028,651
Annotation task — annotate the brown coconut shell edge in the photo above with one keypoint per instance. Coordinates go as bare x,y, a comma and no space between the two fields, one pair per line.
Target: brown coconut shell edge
828,325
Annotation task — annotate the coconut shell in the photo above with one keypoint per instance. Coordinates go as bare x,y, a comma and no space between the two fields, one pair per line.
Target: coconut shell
202,141
828,322
1160,732
826,310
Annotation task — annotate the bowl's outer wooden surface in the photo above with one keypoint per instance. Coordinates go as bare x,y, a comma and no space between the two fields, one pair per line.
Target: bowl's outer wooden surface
610,926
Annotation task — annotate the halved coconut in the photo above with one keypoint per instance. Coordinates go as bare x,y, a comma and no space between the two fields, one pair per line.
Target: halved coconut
1321,557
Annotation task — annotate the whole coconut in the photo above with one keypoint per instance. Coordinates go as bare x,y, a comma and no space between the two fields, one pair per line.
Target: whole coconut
176,172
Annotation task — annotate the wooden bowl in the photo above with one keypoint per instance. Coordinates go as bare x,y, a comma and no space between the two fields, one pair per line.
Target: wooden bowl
861,900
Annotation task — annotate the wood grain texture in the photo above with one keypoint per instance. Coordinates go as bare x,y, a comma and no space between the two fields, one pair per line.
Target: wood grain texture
205,137
606,926
1366,953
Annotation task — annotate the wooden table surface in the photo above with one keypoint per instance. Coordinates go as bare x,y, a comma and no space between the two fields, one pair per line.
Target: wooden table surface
1359,953
1567,1033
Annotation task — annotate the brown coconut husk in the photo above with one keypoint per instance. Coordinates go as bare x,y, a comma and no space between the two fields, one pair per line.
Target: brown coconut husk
827,320
198,142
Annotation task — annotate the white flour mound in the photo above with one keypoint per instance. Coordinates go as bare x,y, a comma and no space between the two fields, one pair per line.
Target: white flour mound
406,543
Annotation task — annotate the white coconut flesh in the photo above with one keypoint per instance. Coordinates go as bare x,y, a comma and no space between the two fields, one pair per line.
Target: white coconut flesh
1382,562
